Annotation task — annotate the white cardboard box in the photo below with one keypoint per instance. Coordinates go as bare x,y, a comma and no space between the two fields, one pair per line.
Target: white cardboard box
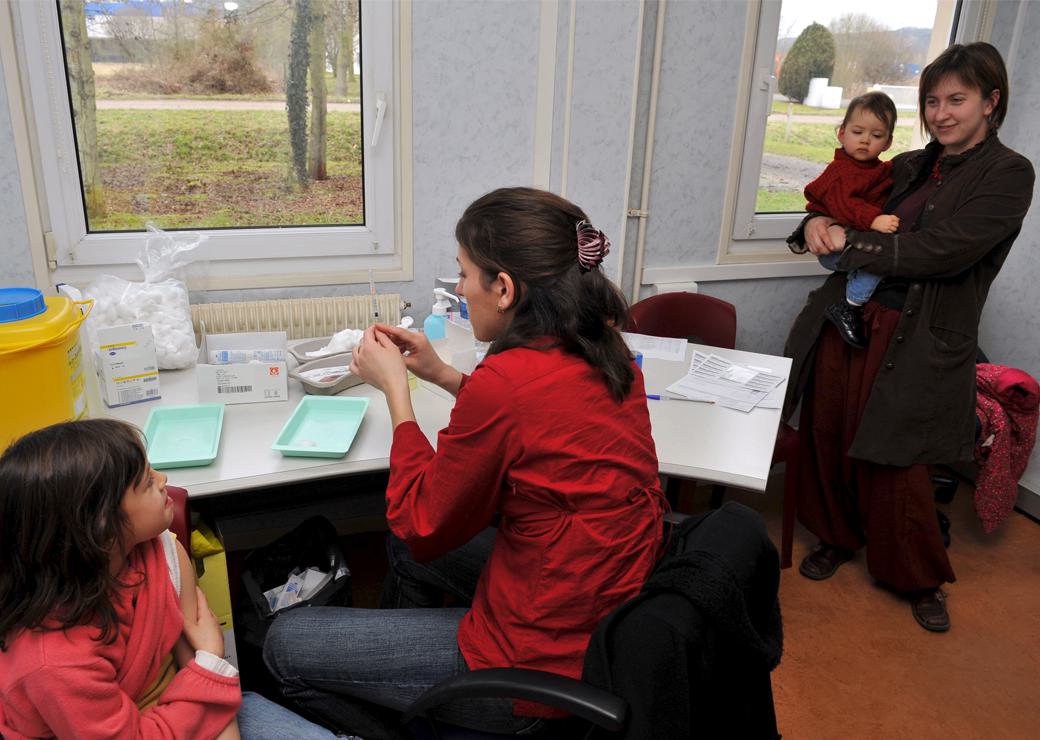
125,364
246,382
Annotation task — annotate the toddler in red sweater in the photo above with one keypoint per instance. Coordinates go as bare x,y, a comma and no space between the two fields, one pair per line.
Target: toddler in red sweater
853,190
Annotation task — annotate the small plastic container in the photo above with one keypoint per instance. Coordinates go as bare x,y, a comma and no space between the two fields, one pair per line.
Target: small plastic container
321,426
320,383
41,361
184,436
301,347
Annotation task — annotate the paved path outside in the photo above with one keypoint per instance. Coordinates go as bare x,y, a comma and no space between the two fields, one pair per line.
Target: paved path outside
187,104
833,120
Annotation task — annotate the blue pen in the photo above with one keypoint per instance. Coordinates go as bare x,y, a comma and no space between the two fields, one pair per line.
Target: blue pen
659,397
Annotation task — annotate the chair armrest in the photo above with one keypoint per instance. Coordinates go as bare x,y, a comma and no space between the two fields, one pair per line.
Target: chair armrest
594,705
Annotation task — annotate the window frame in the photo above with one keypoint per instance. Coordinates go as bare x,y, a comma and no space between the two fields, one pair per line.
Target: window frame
240,257
748,237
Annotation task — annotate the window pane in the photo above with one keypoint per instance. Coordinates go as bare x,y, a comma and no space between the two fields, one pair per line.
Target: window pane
182,117
880,45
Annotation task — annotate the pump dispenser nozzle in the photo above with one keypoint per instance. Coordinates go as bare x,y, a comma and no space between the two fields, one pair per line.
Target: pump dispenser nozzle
433,327
440,304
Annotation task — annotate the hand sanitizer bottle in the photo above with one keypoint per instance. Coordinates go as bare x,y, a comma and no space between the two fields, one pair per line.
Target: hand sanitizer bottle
433,327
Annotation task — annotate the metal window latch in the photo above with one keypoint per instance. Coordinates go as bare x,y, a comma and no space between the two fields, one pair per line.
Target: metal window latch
377,128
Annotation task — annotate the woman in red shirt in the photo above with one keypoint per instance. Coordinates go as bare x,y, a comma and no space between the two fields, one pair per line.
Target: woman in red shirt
551,432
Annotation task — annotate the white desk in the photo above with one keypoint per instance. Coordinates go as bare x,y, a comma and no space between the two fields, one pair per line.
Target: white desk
694,440
710,443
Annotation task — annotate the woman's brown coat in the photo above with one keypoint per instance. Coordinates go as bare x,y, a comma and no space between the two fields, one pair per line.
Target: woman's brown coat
921,408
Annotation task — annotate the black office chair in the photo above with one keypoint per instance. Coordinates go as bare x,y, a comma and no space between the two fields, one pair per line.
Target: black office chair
690,656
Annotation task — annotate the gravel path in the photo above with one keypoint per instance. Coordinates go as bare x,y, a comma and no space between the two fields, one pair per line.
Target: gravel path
788,173
186,104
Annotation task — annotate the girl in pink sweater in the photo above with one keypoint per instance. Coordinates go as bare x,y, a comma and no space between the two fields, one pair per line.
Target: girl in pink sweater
103,632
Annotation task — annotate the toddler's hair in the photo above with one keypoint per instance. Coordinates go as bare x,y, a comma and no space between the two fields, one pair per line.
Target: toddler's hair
877,103
61,520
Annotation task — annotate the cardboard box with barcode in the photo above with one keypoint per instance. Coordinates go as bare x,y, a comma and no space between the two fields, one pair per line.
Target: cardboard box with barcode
211,572
126,365
242,382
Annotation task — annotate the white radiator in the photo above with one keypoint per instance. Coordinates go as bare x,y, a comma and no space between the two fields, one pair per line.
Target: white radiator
300,318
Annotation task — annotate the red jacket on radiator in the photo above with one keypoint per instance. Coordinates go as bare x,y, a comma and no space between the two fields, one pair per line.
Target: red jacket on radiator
536,436
1006,404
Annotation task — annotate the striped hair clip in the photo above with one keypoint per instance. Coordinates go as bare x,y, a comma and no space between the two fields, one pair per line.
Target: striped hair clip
593,246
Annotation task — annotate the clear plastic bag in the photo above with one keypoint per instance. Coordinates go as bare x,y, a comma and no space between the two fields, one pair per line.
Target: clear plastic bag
161,300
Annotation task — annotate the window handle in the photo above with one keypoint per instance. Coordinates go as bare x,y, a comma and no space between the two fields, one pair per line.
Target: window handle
380,115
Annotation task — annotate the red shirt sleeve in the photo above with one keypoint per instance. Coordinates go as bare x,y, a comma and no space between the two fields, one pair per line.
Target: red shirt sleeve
851,195
437,501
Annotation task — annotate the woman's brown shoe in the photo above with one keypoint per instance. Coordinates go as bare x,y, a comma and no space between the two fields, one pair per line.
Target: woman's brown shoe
929,607
823,561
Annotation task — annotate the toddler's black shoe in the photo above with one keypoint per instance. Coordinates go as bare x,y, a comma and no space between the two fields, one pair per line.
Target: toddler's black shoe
849,320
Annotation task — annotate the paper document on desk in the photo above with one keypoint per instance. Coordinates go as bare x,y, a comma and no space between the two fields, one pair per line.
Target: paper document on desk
658,348
727,384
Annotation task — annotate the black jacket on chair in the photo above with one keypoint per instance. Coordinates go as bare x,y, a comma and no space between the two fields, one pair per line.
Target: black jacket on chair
692,653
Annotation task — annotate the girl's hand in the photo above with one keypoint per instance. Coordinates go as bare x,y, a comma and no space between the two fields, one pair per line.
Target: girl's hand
204,632
817,238
378,361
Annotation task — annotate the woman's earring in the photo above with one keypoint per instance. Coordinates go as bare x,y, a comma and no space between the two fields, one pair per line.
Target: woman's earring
500,309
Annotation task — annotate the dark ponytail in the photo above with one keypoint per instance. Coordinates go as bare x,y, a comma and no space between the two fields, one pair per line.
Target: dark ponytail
531,235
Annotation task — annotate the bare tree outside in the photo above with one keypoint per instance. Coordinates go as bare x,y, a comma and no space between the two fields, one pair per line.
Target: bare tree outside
215,114
81,89
866,53
317,141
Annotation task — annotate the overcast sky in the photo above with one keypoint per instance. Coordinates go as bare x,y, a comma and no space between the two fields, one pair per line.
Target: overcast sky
795,15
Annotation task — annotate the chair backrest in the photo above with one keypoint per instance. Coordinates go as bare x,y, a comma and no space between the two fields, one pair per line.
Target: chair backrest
692,316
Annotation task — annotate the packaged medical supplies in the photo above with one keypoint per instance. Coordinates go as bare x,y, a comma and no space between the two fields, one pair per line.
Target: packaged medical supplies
161,300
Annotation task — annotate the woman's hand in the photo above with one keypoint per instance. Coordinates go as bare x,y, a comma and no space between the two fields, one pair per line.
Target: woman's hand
203,632
378,361
422,358
818,238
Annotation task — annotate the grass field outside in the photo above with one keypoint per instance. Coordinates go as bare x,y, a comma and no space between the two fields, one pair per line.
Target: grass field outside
213,169
816,142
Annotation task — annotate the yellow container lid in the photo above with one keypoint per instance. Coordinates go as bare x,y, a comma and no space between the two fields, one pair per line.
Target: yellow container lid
37,330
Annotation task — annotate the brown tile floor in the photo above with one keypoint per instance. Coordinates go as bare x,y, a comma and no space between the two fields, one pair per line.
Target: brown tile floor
857,666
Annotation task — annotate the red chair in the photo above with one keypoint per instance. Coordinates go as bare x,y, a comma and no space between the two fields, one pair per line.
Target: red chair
181,516
696,318
707,320
691,316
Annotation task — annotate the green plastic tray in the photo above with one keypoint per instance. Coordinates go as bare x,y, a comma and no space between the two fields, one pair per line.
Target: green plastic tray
183,436
321,426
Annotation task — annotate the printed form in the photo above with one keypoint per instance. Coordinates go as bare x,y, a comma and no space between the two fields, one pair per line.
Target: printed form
657,348
718,380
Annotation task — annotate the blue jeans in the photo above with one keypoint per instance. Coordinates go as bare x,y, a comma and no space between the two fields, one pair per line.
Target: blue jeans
260,719
859,285
325,658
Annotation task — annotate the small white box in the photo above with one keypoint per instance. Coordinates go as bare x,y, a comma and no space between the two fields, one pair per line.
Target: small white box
245,382
125,364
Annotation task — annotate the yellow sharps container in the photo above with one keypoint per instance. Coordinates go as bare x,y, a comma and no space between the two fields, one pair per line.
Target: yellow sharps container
41,367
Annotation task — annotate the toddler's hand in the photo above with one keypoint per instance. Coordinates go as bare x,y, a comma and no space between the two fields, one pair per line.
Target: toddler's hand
885,223
204,632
